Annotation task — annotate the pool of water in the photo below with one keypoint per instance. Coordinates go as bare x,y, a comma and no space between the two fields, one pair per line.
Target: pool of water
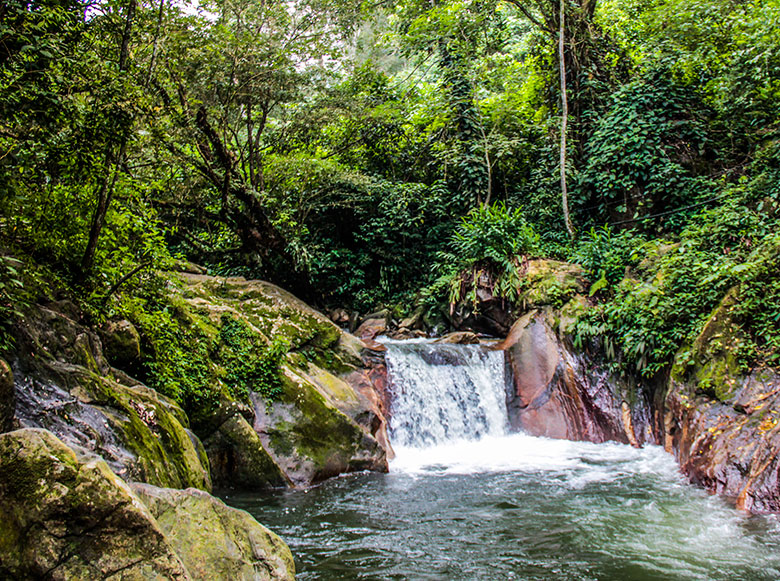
519,507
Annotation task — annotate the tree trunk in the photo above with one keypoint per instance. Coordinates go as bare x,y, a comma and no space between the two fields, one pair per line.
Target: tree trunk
115,160
564,120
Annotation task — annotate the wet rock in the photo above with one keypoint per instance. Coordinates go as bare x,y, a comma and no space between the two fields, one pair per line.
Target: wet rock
215,541
121,342
340,317
238,459
7,397
558,394
321,425
65,518
459,338
370,329
723,425
65,385
309,437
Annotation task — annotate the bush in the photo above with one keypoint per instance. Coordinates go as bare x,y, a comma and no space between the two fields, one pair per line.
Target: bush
488,244
605,255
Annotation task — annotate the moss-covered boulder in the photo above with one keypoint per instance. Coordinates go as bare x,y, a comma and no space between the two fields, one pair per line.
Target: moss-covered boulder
310,438
313,420
238,458
723,422
65,518
215,541
64,384
121,342
7,397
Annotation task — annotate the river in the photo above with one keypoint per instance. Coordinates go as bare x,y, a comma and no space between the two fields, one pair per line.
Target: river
465,499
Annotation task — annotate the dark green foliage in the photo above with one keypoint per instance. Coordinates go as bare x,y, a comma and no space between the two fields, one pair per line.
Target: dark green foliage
605,255
647,155
733,245
248,367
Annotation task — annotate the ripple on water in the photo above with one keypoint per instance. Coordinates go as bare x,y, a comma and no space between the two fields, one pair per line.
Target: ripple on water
518,507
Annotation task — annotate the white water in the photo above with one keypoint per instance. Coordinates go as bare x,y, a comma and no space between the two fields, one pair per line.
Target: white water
445,393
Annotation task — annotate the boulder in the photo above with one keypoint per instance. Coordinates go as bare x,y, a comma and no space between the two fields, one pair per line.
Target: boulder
7,397
370,329
121,342
459,338
559,394
65,518
238,458
721,423
215,541
309,437
325,421
65,385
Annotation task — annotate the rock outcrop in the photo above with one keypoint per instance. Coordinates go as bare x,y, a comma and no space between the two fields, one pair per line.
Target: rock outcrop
723,424
213,540
63,518
327,420
64,384
66,516
559,394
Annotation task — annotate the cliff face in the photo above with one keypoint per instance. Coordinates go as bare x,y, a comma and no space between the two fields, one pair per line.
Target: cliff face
721,423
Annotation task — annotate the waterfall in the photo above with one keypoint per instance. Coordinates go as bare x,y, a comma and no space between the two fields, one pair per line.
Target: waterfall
444,393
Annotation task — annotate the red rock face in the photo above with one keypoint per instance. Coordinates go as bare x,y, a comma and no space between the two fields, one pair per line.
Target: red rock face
371,382
729,448
557,394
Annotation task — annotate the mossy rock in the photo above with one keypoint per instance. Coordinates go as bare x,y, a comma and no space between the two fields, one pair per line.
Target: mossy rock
215,541
550,282
238,458
311,439
709,363
63,518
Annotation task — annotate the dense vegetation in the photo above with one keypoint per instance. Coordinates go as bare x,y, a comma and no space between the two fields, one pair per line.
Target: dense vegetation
384,155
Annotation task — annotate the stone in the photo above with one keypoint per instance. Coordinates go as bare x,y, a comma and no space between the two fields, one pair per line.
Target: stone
559,394
459,338
66,518
370,329
723,424
215,541
65,385
238,458
121,342
309,437
7,397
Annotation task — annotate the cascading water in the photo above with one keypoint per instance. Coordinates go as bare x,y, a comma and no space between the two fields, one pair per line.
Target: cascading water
444,393
465,499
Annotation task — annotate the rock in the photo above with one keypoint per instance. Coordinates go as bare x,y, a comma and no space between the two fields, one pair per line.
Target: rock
340,317
723,425
544,283
371,328
558,394
7,397
309,437
414,321
64,384
459,338
239,460
121,342
215,541
551,283
322,424
63,518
